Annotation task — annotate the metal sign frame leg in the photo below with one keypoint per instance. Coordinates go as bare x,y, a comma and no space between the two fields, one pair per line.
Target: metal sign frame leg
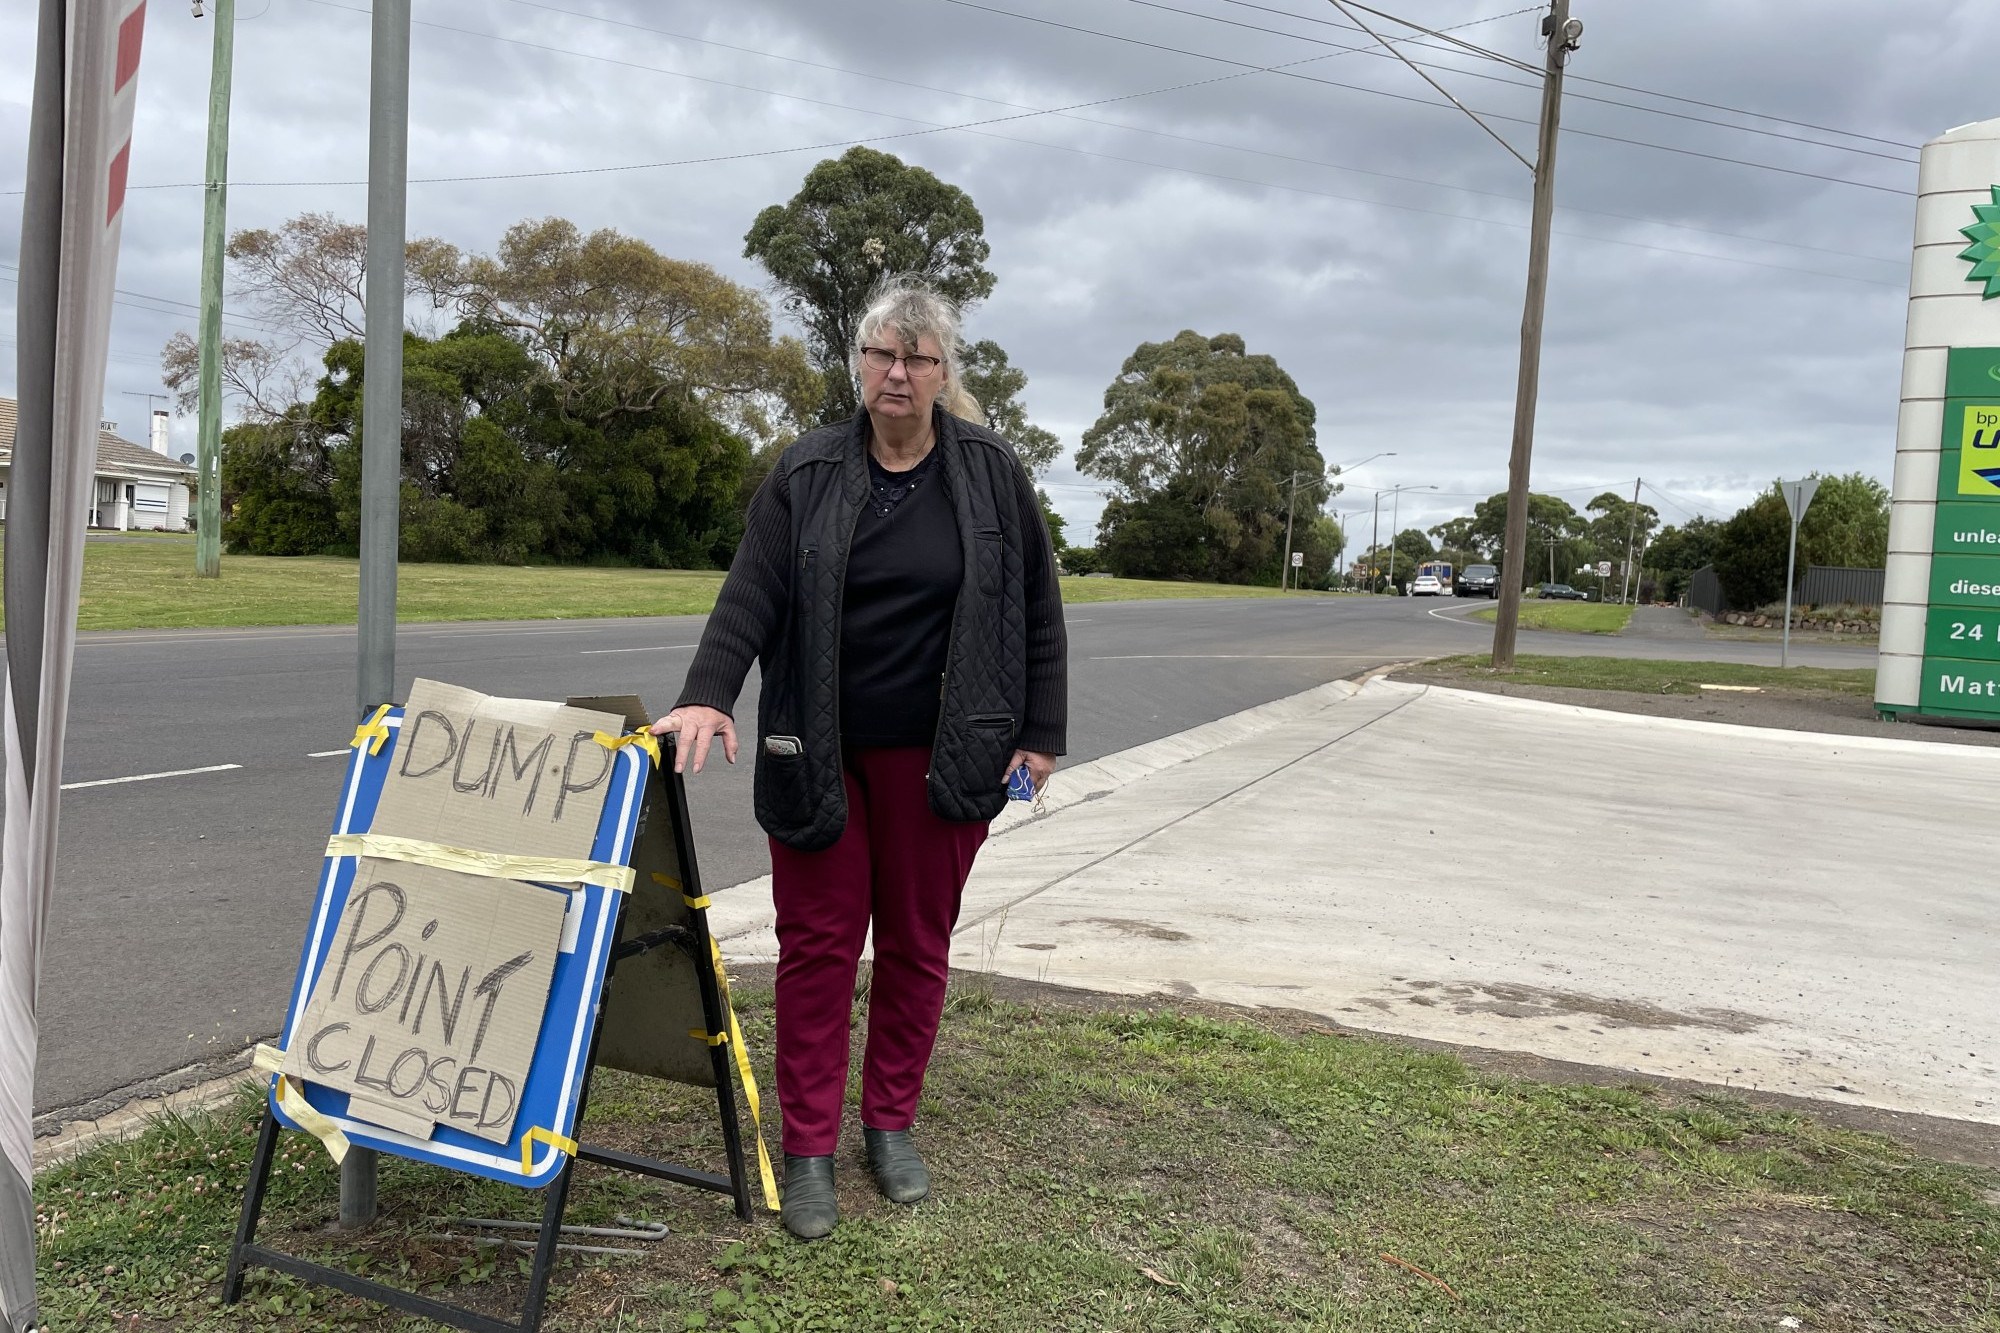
715,1015
245,1251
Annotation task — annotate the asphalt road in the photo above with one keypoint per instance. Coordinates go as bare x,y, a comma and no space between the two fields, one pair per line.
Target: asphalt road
180,900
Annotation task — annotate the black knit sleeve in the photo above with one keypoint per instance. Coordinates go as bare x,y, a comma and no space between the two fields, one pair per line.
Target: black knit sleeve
754,597
1045,729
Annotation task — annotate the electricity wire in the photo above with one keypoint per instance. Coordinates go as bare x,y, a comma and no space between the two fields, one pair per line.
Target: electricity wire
975,127
1568,95
1421,101
1206,143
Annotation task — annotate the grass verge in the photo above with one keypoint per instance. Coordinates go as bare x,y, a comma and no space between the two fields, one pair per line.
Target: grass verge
1576,617
152,585
1127,1170
1079,592
1647,676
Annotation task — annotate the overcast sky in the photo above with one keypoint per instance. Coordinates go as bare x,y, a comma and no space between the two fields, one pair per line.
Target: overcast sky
1729,324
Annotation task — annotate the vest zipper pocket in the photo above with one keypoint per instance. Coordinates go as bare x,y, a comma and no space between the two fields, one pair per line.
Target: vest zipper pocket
806,555
991,721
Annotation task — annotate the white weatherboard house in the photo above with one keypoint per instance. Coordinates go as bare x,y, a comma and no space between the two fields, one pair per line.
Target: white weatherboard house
137,488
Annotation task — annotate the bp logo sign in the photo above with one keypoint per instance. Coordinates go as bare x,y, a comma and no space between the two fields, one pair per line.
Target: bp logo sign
1984,252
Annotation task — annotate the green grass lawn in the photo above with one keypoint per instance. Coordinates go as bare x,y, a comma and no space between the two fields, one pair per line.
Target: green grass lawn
1126,1170
1646,676
1577,617
152,585
1079,591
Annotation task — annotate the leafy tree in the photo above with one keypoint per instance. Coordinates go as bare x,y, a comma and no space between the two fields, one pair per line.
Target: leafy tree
1852,529
1674,555
309,277
1750,551
1161,535
619,328
1197,426
1319,541
1553,528
275,487
1847,523
1458,543
857,218
1396,562
997,387
1056,522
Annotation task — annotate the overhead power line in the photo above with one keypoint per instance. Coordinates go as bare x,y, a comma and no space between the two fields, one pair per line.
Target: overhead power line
1192,139
1423,101
1516,83
1622,87
978,127
185,309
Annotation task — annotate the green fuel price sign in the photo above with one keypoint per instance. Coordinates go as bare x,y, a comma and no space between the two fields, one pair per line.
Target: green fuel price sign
1962,627
1958,632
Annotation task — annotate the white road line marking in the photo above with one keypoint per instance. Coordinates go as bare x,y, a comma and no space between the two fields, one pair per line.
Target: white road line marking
328,754
663,648
1238,657
1455,618
148,777
492,633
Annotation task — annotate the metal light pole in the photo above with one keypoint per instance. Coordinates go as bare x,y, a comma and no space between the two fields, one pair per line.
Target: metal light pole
214,225
1375,539
1562,32
1395,511
1337,469
381,423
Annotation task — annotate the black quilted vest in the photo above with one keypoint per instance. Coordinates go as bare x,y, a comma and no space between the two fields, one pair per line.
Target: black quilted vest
800,799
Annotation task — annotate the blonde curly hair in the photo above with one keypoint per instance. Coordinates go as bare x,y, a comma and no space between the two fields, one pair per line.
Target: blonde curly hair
909,304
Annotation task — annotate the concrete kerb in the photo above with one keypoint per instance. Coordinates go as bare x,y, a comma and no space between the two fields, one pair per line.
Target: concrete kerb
135,1117
745,922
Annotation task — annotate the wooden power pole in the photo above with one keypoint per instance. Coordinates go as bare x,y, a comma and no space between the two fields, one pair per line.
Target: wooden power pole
1562,32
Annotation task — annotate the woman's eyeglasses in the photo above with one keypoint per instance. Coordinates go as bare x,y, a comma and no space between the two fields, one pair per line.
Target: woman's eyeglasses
915,365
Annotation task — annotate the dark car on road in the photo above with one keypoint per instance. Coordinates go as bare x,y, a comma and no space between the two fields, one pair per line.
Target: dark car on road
1477,581
1561,592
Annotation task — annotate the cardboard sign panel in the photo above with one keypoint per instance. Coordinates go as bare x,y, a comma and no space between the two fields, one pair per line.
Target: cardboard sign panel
497,775
429,1004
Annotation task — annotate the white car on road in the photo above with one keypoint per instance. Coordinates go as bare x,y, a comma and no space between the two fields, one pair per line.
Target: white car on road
1426,585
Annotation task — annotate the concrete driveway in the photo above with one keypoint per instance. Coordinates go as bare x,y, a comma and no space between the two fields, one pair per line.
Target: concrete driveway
1787,911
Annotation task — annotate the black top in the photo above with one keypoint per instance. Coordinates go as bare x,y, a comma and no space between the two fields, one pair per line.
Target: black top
903,574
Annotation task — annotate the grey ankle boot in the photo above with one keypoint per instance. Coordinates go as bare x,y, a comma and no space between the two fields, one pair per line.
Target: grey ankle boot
899,1171
809,1206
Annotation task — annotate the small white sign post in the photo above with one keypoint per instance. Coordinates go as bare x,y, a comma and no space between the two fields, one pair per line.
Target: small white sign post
1798,497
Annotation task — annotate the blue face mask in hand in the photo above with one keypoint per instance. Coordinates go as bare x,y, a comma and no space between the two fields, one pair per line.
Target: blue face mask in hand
1020,785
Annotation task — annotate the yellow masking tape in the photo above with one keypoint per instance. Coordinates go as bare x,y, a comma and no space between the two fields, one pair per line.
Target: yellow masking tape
269,1060
712,1038
372,733
749,1080
540,1135
643,739
700,904
493,865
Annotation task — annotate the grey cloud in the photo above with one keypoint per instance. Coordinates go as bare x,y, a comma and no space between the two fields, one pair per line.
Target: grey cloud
1709,376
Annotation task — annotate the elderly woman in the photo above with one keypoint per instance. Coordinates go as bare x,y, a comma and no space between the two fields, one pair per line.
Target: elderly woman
896,586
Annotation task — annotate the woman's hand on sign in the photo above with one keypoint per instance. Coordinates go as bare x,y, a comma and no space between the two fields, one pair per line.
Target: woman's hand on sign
694,728
1039,767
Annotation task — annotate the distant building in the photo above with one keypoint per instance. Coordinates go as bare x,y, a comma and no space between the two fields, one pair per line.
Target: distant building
137,487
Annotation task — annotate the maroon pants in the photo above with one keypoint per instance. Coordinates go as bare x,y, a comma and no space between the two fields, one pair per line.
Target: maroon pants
901,864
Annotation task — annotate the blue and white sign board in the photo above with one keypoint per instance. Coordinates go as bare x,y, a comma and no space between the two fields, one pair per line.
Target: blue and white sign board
549,1095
